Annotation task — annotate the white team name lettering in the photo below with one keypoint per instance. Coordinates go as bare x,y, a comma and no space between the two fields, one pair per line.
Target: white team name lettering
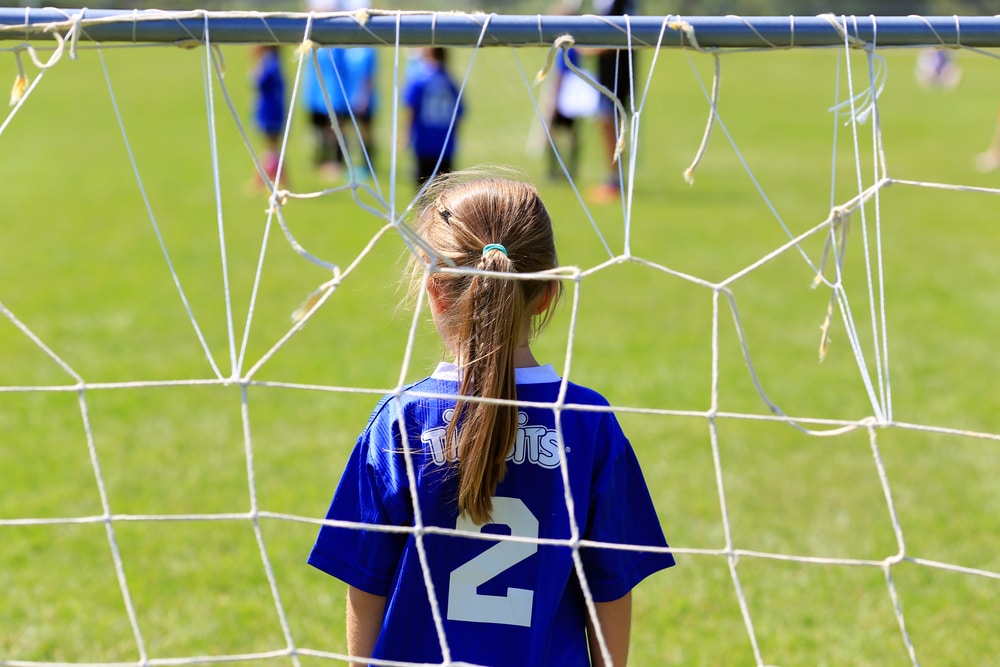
538,445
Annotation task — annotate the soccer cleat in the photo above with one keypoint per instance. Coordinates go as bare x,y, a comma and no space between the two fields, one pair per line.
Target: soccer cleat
988,161
604,193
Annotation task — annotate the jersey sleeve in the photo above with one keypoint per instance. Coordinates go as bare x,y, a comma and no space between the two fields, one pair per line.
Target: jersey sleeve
621,512
459,101
411,91
366,558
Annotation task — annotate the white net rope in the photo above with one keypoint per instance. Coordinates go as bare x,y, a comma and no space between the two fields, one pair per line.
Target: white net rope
862,313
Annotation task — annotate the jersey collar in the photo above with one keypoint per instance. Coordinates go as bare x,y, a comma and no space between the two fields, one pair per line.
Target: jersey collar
527,375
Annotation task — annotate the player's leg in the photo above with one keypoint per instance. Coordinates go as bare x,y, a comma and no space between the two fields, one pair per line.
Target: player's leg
558,126
610,189
327,157
272,158
989,159
367,157
573,130
616,75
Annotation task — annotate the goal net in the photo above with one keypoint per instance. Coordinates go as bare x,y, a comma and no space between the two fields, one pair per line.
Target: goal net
790,301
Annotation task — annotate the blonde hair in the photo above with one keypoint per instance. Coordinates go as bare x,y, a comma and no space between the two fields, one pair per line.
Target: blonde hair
485,315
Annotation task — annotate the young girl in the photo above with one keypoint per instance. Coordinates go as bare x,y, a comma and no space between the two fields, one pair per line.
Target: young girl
436,111
269,107
479,447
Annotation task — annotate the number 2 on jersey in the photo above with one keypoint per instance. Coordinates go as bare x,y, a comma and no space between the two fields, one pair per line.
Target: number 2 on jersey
514,608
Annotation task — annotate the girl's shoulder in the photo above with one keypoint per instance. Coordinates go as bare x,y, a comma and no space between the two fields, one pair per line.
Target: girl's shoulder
544,381
583,395
432,387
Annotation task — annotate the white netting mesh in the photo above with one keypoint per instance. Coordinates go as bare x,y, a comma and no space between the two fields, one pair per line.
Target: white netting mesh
170,436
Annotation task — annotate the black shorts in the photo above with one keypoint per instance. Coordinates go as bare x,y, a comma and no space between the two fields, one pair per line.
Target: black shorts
614,71
559,120
319,120
425,167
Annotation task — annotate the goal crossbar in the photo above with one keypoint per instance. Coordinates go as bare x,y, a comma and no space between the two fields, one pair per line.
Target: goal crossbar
373,27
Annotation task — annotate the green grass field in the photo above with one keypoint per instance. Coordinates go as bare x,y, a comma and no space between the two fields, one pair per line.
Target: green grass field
81,268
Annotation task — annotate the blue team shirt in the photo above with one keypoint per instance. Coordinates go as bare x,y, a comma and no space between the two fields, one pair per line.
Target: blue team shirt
269,111
332,70
433,98
501,602
360,66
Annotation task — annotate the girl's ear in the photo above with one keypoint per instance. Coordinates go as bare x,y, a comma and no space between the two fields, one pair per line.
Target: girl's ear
434,297
548,293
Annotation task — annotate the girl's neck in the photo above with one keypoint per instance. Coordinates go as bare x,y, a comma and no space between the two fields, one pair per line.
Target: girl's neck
523,358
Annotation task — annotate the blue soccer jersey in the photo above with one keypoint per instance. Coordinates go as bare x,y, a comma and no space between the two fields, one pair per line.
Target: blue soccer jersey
501,602
333,72
359,79
433,98
269,112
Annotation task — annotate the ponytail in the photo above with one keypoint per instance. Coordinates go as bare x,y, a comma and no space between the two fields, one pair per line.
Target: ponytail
483,314
489,340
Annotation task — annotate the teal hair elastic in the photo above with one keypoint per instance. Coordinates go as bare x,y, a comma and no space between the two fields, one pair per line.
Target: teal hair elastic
494,246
